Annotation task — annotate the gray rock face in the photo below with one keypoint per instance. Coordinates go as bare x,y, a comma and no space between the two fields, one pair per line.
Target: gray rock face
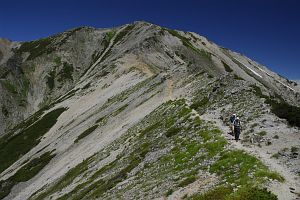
5,50
35,73
131,93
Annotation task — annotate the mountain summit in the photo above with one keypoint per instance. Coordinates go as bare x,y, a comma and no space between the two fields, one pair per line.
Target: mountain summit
141,112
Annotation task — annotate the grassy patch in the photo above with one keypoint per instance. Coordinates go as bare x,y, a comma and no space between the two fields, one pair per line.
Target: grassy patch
15,146
286,111
125,94
96,55
123,33
65,180
66,96
88,85
119,110
101,119
169,192
184,112
33,167
4,72
236,77
25,173
117,39
254,125
186,42
227,68
57,61
107,177
9,86
187,181
219,193
215,147
25,123
111,34
294,149
252,193
258,92
262,133
266,173
244,193
66,72
86,133
37,48
50,80
276,155
150,128
4,111
96,188
199,104
280,108
243,169
172,131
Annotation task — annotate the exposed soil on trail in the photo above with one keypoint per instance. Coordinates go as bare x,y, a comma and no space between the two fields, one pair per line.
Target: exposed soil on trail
286,190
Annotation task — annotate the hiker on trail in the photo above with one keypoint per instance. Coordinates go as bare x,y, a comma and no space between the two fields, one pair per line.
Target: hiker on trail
237,128
232,119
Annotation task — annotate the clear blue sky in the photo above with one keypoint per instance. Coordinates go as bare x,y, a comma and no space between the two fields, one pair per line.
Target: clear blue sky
267,31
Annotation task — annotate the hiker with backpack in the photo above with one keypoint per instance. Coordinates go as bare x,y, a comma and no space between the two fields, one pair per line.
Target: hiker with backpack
232,119
237,128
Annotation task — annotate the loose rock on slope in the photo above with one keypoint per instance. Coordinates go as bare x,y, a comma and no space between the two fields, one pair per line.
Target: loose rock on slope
130,99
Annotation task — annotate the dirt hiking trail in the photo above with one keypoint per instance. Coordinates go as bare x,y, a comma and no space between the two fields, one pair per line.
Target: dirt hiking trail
284,190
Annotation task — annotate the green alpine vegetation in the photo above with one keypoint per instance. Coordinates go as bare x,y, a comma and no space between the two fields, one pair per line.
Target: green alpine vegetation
37,48
226,193
86,132
51,80
123,33
25,173
66,72
227,68
9,86
140,111
186,42
190,144
280,108
13,146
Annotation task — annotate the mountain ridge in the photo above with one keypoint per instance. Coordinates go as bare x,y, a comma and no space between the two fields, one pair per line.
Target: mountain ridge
106,90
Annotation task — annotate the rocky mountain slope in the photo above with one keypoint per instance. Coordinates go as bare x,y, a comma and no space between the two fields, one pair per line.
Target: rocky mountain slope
140,112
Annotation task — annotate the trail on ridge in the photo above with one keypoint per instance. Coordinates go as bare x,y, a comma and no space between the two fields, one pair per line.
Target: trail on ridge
282,190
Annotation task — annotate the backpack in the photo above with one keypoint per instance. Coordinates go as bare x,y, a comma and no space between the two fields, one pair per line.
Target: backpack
232,119
237,125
